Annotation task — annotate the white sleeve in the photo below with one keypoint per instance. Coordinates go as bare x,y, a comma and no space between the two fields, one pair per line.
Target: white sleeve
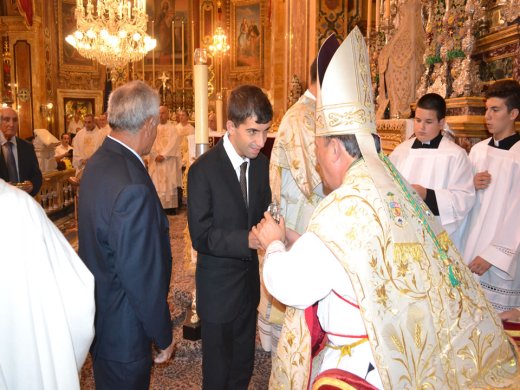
456,200
304,274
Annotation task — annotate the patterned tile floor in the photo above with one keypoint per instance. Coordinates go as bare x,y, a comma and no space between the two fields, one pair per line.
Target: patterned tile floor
184,370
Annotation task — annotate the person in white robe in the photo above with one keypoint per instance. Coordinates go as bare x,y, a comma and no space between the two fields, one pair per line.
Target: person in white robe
186,134
86,142
437,168
103,125
493,235
395,304
75,124
162,162
46,299
296,187
184,131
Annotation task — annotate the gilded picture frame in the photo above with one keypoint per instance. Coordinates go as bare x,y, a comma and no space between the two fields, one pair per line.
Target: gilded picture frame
247,35
162,13
69,58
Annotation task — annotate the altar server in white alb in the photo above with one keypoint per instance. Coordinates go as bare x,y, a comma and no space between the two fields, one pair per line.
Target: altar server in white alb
493,235
46,299
162,164
437,168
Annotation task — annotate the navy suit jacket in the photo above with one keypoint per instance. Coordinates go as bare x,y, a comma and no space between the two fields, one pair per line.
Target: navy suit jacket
124,241
28,167
219,223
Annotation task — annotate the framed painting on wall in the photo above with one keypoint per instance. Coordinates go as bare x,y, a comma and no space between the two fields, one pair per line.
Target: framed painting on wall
165,15
69,57
246,35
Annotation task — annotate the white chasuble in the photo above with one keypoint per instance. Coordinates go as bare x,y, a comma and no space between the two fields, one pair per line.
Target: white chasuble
493,231
445,170
164,173
46,299
85,144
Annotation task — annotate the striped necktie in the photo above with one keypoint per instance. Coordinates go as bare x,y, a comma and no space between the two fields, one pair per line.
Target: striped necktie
11,164
243,180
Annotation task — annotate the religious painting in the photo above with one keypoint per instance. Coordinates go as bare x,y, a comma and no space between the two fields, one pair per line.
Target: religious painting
73,105
246,35
163,16
70,59
72,100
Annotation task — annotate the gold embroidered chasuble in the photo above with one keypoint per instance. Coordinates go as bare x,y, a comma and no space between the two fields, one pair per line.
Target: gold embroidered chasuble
423,331
294,149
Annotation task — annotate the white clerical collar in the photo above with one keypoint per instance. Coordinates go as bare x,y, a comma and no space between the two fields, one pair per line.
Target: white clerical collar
495,142
129,148
235,158
309,94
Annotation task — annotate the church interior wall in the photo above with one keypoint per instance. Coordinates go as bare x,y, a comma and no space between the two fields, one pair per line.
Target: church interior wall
43,71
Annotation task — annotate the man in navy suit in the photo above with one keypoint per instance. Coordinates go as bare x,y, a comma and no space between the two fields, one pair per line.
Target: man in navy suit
228,191
124,241
18,162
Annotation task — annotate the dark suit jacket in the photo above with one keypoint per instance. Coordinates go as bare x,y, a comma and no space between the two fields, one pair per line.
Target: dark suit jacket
28,167
227,270
124,241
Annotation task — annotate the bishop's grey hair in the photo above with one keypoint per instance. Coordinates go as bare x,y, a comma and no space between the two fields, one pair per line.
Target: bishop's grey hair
131,105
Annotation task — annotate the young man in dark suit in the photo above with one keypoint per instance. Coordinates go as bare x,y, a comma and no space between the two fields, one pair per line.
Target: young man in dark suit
18,162
124,241
228,191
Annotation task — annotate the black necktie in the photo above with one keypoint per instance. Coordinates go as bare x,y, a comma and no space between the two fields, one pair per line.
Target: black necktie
243,180
11,164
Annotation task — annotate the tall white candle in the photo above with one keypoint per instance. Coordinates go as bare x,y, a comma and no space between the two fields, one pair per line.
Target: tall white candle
182,55
153,56
200,79
220,119
173,54
378,12
369,19
192,36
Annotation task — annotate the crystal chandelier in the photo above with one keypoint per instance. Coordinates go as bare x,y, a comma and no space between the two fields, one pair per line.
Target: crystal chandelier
219,44
115,35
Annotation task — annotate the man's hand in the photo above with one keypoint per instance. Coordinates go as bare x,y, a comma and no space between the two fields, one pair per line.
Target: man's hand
268,230
421,191
479,266
159,158
291,236
482,180
26,186
165,354
252,240
510,315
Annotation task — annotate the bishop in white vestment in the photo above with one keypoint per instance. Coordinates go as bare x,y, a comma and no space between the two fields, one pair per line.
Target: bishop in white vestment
46,299
399,309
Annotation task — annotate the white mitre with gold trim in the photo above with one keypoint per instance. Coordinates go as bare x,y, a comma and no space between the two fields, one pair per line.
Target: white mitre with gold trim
345,103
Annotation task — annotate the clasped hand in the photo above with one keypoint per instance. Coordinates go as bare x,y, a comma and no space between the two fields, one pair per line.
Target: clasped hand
268,230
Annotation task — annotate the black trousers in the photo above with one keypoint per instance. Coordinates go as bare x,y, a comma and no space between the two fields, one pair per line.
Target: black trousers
228,351
111,375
